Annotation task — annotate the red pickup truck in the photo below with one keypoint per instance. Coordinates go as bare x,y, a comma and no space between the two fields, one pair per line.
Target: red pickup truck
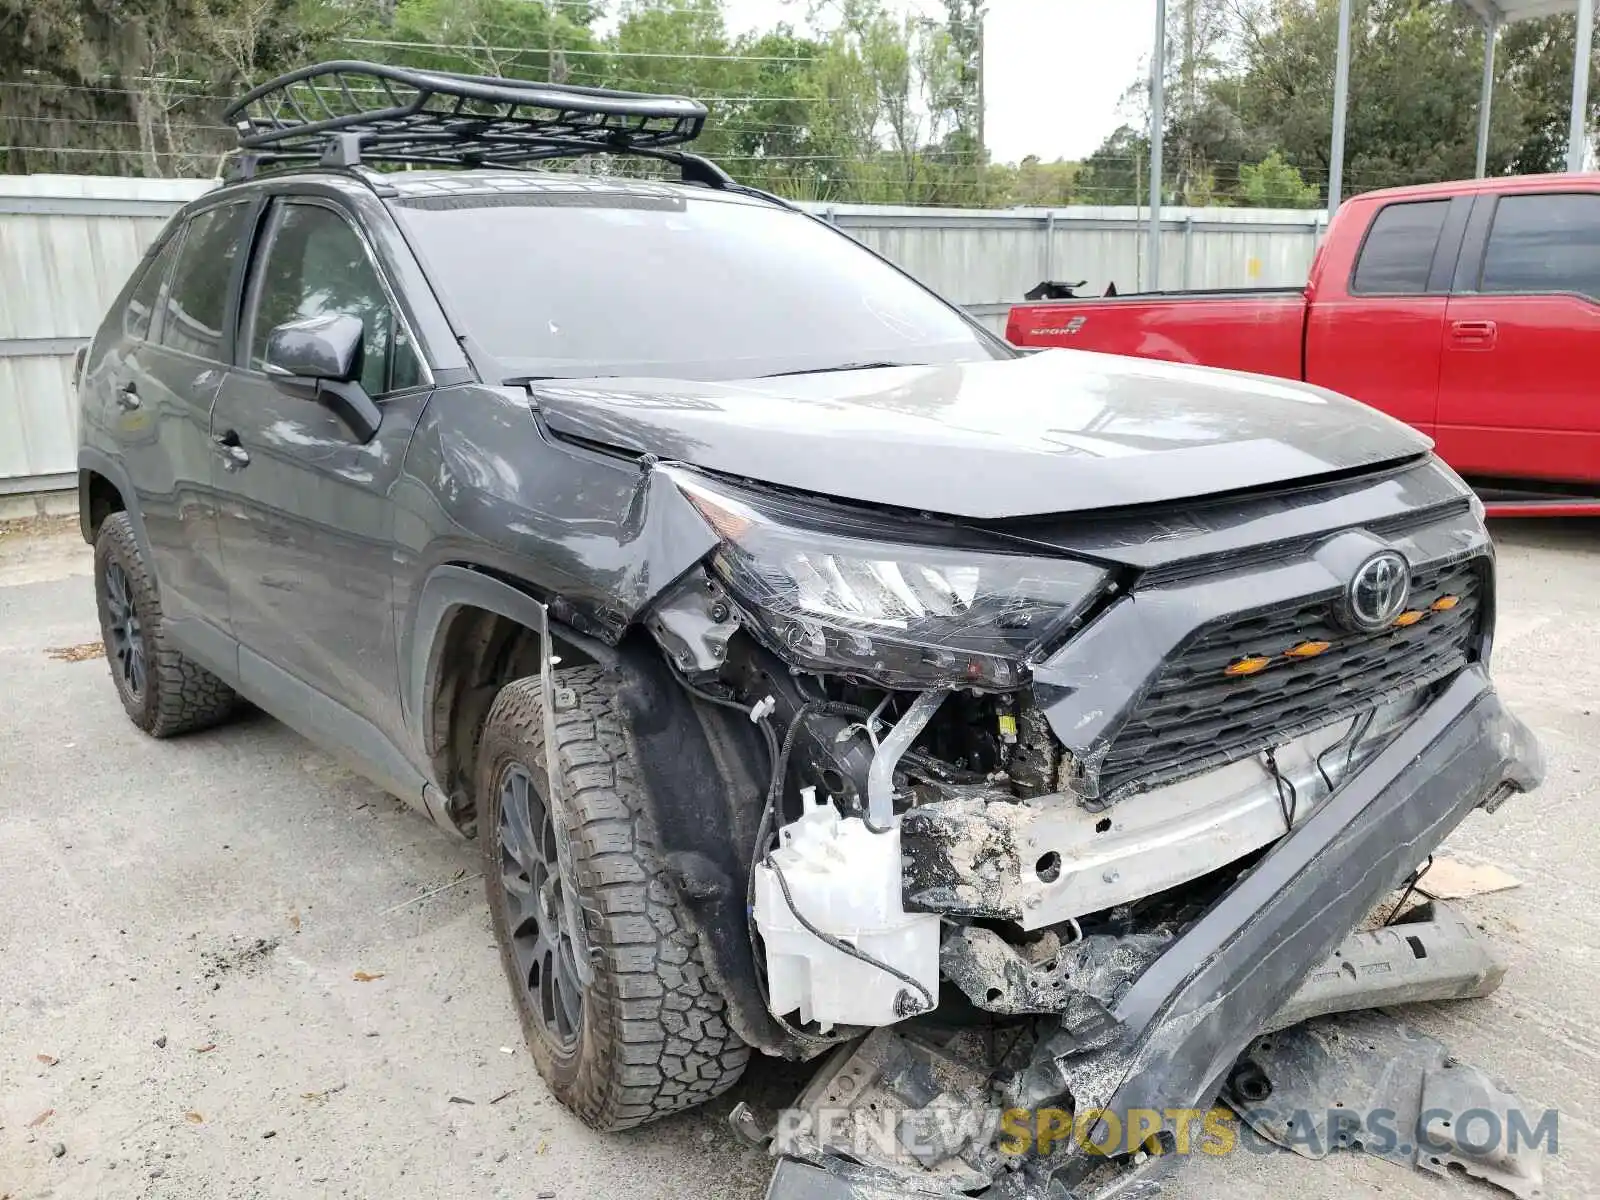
1469,310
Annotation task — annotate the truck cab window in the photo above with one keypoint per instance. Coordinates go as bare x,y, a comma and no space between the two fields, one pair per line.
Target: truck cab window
1399,249
317,265
1545,243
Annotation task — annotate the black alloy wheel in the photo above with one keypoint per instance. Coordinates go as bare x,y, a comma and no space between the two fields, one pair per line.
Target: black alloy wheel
532,890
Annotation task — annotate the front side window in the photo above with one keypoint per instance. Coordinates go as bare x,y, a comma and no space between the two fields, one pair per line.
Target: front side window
197,301
597,281
1398,253
141,310
315,266
1548,243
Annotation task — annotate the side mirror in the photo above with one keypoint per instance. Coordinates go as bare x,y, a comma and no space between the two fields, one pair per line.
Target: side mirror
325,347
326,351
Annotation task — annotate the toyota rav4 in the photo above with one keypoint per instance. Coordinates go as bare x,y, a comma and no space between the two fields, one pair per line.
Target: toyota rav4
804,659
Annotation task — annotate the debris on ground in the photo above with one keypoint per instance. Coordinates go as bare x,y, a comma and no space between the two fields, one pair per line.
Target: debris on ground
1368,1082
1450,879
41,1118
366,976
241,955
460,877
161,1042
57,1150
48,1060
82,652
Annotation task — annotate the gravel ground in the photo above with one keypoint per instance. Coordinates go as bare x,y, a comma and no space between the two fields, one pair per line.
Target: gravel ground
217,979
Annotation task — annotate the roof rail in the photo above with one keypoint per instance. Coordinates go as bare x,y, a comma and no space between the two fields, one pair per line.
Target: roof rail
344,114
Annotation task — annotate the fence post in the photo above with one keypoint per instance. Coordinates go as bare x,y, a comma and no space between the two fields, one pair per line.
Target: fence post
1188,246
1049,245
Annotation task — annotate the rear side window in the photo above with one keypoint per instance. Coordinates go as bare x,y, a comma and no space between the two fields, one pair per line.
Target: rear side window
1545,244
141,308
197,301
1398,251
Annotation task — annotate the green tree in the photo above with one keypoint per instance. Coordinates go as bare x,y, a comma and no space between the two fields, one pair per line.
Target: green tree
1117,173
1273,183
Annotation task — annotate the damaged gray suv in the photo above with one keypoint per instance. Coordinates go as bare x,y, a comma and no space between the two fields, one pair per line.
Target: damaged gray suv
816,672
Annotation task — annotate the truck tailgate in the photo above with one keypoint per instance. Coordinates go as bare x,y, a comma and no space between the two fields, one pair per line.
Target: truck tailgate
1261,331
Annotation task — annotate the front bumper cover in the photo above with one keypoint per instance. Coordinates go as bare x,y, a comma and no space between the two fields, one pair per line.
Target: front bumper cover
1189,1015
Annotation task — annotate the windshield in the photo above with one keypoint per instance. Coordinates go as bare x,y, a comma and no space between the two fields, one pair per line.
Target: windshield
577,284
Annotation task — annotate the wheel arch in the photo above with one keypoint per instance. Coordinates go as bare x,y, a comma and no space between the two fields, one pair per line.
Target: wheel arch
473,633
703,768
104,488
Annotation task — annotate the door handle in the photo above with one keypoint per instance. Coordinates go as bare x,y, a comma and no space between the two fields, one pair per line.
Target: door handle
128,397
234,456
1473,333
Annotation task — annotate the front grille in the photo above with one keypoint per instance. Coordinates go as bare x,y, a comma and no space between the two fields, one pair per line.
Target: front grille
1196,717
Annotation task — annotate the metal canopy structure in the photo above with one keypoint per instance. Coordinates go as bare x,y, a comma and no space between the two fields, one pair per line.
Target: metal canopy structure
1496,13
1493,13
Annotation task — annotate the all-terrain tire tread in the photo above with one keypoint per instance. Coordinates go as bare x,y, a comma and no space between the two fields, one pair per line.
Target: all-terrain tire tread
664,1043
183,696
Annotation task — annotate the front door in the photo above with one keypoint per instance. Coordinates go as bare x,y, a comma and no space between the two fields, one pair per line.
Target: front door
1518,396
305,518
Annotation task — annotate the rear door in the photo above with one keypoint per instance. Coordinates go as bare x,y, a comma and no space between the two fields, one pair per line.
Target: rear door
306,522
1518,397
1374,334
175,347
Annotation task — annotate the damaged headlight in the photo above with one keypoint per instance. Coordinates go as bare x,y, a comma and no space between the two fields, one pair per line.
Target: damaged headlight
903,615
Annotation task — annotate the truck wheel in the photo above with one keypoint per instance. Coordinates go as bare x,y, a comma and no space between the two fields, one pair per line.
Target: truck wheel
649,1035
161,690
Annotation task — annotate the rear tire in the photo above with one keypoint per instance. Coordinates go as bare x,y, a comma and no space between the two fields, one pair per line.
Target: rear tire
651,1036
162,692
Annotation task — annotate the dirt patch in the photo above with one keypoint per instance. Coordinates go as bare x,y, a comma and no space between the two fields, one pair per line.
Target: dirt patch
241,955
82,652
33,527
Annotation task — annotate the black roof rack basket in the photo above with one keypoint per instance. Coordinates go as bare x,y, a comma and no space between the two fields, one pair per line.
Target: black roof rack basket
345,113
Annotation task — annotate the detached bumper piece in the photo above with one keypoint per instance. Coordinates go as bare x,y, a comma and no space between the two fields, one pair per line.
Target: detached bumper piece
1159,1027
1373,1084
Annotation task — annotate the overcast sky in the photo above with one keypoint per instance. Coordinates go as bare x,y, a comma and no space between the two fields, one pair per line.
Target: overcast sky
1056,69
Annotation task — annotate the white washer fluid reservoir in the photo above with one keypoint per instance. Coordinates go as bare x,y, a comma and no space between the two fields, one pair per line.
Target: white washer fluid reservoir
845,880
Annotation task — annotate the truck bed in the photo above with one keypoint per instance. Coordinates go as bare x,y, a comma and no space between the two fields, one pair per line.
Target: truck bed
1256,329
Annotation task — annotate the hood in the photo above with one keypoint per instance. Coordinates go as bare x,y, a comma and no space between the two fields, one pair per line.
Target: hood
1055,432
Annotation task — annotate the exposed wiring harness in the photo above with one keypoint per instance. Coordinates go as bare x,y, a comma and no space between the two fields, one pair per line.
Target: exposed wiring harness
760,716
1348,743
1288,794
1411,885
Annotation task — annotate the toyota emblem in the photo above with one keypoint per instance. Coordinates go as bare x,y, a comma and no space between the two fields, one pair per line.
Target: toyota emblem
1378,590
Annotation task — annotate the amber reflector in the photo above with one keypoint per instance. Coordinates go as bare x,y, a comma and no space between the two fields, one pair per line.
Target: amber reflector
1306,649
1247,666
1445,603
1410,618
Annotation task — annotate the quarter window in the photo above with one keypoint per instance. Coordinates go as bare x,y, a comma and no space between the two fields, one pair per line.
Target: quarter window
1398,252
141,310
316,266
197,301
1546,243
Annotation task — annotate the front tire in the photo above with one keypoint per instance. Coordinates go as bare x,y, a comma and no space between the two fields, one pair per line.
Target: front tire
162,692
649,1036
